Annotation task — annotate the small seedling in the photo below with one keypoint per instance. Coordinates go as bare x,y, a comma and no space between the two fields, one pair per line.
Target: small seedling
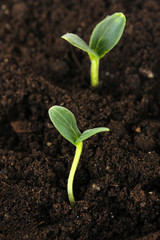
65,122
104,37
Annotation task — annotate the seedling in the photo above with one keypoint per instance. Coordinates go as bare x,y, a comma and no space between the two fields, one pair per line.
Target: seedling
104,37
65,122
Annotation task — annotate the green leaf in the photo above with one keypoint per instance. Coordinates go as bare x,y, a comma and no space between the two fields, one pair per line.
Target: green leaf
78,42
88,133
65,122
107,33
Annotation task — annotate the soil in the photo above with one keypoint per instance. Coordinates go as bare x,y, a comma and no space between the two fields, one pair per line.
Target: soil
117,183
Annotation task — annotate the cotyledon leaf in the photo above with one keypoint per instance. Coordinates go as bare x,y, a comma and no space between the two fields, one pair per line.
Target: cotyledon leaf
107,33
90,132
65,122
78,42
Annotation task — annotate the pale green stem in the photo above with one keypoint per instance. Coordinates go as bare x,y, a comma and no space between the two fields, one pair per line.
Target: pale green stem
72,173
94,72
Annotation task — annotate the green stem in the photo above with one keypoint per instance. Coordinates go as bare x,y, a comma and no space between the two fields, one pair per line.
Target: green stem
94,72
72,173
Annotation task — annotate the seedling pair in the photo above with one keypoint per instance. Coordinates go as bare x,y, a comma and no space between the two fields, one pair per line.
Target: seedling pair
104,37
65,122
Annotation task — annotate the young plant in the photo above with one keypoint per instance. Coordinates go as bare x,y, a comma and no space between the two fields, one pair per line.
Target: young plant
65,122
104,37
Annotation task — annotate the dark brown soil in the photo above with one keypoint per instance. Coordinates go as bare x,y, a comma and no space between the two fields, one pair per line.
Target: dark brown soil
117,184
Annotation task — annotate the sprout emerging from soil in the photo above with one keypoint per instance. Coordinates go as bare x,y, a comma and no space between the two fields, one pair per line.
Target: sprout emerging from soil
104,37
65,122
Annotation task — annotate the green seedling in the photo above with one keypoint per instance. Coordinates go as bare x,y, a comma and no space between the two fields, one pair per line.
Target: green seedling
65,122
104,37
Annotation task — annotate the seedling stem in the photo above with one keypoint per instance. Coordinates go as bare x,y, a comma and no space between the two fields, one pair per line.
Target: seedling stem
72,173
94,72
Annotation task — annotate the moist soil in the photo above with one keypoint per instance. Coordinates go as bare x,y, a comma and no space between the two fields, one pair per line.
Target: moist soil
117,183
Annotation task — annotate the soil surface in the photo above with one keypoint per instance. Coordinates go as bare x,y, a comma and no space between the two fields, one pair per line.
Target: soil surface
117,183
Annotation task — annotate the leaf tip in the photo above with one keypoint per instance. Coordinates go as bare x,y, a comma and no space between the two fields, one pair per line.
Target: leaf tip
64,36
49,110
122,16
107,129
